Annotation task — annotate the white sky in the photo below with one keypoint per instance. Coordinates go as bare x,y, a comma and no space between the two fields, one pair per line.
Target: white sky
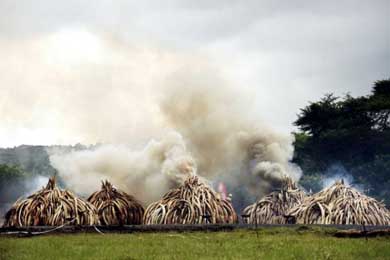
85,71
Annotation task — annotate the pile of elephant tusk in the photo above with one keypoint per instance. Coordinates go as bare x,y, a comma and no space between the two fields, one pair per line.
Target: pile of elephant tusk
195,202
116,207
272,208
192,203
50,206
341,205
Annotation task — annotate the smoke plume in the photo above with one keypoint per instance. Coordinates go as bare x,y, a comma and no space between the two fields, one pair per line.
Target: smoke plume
146,173
208,128
161,115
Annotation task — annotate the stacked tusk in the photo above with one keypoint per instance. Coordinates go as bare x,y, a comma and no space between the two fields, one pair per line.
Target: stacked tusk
192,203
272,208
50,206
340,205
116,207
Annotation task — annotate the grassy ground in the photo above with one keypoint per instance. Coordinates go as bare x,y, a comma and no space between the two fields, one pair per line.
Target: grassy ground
275,243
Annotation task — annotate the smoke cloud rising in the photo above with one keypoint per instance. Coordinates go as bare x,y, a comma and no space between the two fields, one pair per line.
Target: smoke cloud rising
206,127
160,115
146,173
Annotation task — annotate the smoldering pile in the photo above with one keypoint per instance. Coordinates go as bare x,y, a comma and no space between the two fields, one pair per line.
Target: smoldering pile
116,207
272,209
192,203
341,205
51,206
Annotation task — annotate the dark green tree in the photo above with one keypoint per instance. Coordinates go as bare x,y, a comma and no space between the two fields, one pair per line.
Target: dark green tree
379,104
353,131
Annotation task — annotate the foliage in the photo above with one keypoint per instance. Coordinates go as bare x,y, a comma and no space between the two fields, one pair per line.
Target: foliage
375,174
19,167
34,160
352,131
10,174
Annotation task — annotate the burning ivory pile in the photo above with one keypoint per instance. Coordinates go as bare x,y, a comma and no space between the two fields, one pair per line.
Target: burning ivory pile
192,203
342,205
196,203
272,208
116,207
51,206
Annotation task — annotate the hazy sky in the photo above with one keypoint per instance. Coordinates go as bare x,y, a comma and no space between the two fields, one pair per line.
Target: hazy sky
89,71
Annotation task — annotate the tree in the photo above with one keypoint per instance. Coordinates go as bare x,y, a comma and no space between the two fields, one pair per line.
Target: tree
316,118
353,131
9,174
379,103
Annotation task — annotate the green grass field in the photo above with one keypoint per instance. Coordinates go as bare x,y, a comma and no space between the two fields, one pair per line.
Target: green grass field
271,243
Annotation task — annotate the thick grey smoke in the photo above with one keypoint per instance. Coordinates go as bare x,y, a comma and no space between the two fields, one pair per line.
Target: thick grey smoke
224,132
146,173
212,131
161,114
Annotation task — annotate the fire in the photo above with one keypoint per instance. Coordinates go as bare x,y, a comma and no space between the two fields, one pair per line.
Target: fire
222,190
